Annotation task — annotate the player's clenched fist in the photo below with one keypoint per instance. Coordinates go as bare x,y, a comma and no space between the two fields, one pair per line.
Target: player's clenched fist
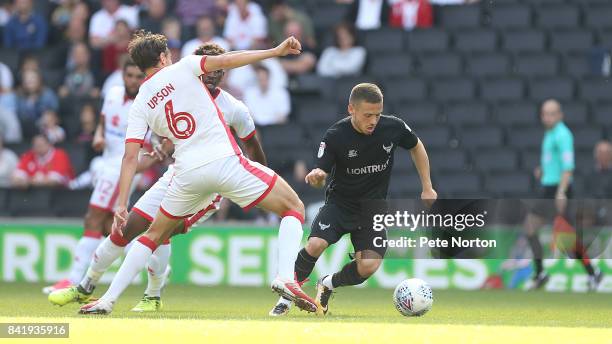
121,215
316,178
290,46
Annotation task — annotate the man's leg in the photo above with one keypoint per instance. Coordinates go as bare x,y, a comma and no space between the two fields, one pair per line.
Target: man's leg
304,264
160,230
95,221
533,223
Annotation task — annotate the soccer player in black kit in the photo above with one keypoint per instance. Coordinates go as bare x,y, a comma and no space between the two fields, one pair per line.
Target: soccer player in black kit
357,155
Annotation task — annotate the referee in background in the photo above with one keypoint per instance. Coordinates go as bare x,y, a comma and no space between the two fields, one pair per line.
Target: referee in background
555,176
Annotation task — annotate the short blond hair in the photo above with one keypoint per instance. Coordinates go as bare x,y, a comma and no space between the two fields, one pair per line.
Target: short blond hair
368,92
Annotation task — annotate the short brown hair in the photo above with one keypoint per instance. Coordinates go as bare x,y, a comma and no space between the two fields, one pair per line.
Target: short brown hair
370,93
145,48
129,63
210,49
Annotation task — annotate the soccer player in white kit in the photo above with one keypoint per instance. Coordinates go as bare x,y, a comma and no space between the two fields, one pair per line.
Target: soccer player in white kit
110,136
238,117
208,160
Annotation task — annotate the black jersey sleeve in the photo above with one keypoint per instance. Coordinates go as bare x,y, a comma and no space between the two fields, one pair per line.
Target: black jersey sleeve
326,157
406,137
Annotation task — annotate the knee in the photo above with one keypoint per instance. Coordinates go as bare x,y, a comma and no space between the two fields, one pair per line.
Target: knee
367,267
316,246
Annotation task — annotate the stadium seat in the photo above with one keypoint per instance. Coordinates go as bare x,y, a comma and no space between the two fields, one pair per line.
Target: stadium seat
426,40
508,183
317,112
466,113
326,16
598,17
459,16
31,202
458,183
475,41
398,90
602,114
524,41
4,196
384,40
571,40
52,57
77,154
405,185
513,16
577,65
487,65
575,112
559,88
418,113
595,89
502,89
558,16
440,65
495,160
481,136
528,137
311,83
537,64
453,89
434,137
447,160
70,203
53,78
517,113
10,58
586,136
530,159
605,38
282,135
402,163
390,65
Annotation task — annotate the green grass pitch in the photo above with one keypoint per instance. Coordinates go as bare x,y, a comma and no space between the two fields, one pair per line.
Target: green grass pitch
503,313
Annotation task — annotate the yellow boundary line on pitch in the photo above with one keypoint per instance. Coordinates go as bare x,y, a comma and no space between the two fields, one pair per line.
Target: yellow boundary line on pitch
146,331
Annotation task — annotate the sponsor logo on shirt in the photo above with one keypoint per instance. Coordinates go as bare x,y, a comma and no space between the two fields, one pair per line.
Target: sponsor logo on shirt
368,169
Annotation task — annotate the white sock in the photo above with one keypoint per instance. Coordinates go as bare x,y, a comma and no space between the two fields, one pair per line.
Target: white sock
283,300
106,253
289,239
134,262
158,263
82,256
327,281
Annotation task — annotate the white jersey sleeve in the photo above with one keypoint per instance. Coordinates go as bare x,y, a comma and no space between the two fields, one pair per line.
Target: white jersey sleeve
237,115
137,125
194,63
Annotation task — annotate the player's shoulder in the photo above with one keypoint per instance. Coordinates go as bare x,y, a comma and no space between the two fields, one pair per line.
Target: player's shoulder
339,127
392,121
223,94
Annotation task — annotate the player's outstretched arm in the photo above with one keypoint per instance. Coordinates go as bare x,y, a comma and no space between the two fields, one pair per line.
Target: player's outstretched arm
316,178
128,170
421,162
290,46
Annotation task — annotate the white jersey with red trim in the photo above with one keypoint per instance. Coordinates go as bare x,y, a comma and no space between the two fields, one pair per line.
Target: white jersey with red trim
175,104
236,114
115,111
238,117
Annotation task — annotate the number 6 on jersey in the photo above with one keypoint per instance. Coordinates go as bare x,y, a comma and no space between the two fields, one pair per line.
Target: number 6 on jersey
173,120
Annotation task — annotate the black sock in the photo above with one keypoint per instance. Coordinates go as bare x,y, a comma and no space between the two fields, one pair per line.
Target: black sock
304,263
347,276
586,263
536,249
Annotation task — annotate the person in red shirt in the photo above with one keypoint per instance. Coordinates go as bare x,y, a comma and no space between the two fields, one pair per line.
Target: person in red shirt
43,165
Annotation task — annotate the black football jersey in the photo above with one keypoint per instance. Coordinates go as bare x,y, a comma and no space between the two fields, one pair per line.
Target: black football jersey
358,165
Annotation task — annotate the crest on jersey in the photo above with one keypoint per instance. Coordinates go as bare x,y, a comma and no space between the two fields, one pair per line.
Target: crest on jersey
352,153
388,148
321,150
323,226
